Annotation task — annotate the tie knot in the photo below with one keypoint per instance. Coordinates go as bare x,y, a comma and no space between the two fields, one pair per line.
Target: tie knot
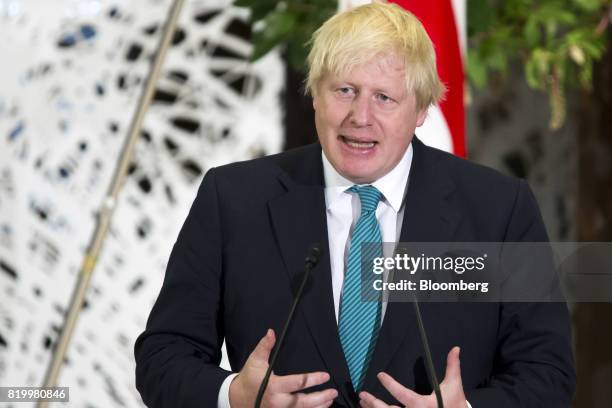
369,197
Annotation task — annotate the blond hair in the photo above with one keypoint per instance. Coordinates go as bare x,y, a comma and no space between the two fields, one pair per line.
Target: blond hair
358,35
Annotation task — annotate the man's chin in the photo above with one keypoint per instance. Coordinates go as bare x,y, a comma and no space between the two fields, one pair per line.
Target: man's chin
360,176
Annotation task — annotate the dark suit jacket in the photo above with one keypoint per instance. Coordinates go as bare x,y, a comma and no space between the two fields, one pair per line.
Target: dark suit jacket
241,250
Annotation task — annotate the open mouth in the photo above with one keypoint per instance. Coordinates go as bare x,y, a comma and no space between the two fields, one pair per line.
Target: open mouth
358,144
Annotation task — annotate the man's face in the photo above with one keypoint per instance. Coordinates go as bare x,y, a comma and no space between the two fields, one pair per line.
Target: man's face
366,119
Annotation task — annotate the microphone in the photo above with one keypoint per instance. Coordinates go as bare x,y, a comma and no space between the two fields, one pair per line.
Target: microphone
314,255
431,372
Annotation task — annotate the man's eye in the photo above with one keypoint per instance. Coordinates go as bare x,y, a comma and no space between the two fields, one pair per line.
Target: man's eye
345,90
384,98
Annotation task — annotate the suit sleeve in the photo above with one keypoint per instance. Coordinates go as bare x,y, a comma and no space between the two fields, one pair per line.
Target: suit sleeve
534,364
178,355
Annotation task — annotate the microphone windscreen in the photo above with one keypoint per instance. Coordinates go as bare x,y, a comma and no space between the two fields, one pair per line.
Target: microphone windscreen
314,255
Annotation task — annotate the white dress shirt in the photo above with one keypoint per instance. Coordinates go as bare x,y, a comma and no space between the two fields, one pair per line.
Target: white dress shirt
343,210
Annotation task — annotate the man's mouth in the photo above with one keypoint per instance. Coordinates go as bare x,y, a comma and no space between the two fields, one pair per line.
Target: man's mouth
358,144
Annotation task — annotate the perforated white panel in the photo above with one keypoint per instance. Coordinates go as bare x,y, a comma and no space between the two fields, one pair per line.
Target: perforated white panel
72,72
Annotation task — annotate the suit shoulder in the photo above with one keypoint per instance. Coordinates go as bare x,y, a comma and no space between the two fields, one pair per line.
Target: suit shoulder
264,173
273,162
473,175
497,205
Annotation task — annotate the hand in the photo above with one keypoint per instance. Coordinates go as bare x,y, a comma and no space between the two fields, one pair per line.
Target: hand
451,388
282,391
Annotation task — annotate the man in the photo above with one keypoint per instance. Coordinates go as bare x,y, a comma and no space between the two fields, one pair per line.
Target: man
239,254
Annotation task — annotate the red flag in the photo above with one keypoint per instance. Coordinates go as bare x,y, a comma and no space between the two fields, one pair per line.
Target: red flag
439,21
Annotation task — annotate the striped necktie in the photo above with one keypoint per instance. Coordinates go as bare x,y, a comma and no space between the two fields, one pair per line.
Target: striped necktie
359,320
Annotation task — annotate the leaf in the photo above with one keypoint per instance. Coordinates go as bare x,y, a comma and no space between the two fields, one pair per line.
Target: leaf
531,74
594,49
532,32
588,5
538,68
274,32
476,70
259,8
480,16
296,55
262,45
577,54
278,24
498,61
566,17
585,76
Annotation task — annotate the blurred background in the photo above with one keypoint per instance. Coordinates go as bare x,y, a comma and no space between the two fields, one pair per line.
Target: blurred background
533,100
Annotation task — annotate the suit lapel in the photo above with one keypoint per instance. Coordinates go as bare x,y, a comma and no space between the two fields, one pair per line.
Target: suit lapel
429,216
299,219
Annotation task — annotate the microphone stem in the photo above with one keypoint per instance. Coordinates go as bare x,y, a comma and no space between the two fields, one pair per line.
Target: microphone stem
264,383
431,372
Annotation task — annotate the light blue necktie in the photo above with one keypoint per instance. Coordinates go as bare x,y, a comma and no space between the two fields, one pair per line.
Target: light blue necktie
359,320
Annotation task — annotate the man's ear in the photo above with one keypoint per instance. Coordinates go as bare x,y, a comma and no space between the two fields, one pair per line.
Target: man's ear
421,116
314,102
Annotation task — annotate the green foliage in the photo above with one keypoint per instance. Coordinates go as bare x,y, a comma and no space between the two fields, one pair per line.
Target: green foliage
557,40
289,22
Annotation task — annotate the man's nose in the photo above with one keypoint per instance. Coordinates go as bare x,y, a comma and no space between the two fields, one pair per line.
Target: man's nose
361,111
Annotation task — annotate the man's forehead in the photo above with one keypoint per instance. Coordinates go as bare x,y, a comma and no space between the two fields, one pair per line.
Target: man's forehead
384,69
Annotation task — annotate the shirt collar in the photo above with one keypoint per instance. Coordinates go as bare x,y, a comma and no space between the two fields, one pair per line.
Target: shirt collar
392,185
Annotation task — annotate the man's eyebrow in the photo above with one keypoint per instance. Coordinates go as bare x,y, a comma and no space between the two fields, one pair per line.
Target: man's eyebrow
393,92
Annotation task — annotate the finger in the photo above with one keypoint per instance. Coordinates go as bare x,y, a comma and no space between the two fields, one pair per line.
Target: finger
402,394
364,403
297,382
316,399
261,353
367,400
325,405
453,366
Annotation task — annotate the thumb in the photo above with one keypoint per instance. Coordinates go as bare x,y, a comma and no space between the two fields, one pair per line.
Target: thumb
261,353
453,366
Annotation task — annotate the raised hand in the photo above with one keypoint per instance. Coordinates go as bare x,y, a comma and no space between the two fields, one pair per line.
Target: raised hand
451,388
282,391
